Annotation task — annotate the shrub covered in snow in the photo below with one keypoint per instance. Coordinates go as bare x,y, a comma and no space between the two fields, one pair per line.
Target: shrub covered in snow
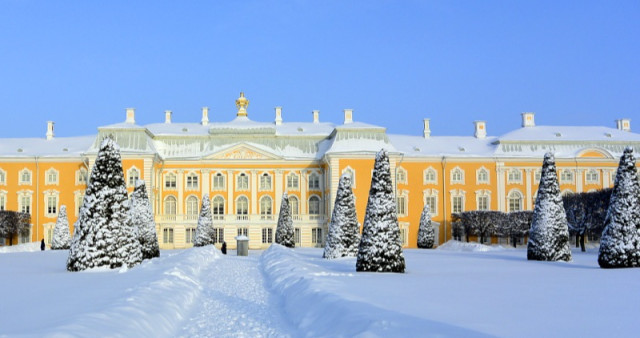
619,245
104,235
586,212
549,234
380,248
204,230
284,229
13,223
61,235
426,232
142,219
344,233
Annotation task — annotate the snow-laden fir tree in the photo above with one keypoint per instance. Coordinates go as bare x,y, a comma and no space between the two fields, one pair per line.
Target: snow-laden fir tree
620,242
61,235
343,238
284,230
129,247
204,231
549,233
426,232
380,248
103,225
142,219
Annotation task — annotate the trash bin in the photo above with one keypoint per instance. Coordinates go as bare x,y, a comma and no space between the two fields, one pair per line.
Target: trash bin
242,246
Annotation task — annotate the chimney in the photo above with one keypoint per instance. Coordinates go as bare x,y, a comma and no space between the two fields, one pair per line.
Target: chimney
481,129
316,116
205,116
167,116
50,130
624,124
278,116
427,130
131,115
528,120
348,116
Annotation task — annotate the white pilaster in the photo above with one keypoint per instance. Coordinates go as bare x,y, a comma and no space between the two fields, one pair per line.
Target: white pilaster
206,178
230,182
279,182
254,192
528,183
180,186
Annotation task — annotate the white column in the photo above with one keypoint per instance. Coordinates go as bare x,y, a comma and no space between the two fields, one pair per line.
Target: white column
206,177
303,193
254,192
501,188
279,190
579,180
230,182
529,196
180,187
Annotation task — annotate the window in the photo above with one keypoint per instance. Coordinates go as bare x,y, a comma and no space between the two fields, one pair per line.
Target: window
170,204
352,175
314,181
401,205
3,177
294,206
79,200
432,202
566,176
243,232
296,236
314,206
538,176
51,177
316,236
243,182
403,235
167,235
482,175
192,206
430,176
515,176
133,177
401,176
593,176
265,208
49,231
190,235
267,235
170,181
192,182
515,201
81,176
218,235
457,204
25,238
292,181
25,177
218,182
3,202
52,205
265,182
24,203
242,207
218,208
457,176
483,202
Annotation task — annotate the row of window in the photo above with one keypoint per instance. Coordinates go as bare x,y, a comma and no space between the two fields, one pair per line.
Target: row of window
242,181
51,176
514,202
218,235
242,206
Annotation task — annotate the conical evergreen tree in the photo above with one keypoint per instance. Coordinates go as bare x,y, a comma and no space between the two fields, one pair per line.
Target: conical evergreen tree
620,242
61,236
284,230
204,231
143,222
129,248
380,248
103,218
549,233
344,233
426,232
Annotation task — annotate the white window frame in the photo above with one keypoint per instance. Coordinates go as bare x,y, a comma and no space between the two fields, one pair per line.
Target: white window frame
216,212
404,233
567,176
514,176
25,195
319,211
170,181
482,194
82,176
215,181
431,194
293,181
21,180
166,208
242,182
192,181
267,235
314,181
268,213
513,195
190,209
455,194
428,180
454,172
479,180
3,200
402,176
266,182
51,210
317,236
352,173
589,176
3,177
133,175
167,235
402,200
248,205
295,213
78,198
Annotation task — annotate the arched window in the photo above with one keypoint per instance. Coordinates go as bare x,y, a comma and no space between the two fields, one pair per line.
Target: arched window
170,181
192,206
401,176
265,182
242,206
170,205
294,206
293,182
314,205
134,176
266,207
430,176
314,181
243,182
515,201
217,207
482,175
192,181
593,176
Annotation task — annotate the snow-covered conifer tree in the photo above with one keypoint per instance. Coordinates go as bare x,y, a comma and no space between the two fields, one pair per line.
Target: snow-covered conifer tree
129,248
143,222
380,248
619,245
549,233
343,238
426,232
61,235
103,216
284,229
204,231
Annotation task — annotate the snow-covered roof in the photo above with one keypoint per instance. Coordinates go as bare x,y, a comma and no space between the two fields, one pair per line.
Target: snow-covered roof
41,147
569,133
463,146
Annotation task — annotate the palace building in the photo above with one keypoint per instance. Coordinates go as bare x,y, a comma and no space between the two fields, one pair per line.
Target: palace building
245,166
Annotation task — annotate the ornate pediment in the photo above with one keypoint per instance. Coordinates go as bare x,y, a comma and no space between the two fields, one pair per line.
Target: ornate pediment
242,152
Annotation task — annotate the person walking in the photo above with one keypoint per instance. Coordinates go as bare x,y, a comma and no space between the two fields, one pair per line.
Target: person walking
224,248
42,245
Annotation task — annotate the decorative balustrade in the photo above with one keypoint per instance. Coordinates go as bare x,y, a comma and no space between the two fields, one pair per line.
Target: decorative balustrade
237,219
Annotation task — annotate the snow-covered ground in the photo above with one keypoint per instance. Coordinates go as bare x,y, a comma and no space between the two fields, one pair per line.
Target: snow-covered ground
458,290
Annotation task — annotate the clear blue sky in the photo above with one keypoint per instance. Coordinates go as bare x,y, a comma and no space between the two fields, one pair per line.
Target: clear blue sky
81,63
